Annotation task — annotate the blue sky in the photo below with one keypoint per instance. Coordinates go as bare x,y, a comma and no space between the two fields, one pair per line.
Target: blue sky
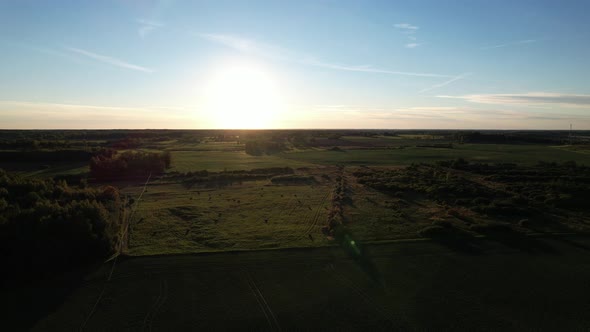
323,64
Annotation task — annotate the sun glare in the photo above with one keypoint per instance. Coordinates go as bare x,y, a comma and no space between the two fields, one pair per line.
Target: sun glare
242,97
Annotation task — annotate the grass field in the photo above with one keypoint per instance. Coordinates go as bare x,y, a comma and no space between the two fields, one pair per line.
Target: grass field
491,153
254,215
172,218
184,161
260,252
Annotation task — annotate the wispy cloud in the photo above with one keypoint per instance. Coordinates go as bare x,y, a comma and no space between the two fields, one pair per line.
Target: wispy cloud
147,26
543,99
109,60
273,52
514,43
409,30
50,106
406,27
440,85
52,115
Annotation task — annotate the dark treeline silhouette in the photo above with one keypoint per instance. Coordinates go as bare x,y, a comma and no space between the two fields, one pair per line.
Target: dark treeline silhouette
128,165
46,156
511,137
47,226
260,147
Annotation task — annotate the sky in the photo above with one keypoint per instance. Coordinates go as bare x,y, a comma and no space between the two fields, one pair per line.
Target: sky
469,64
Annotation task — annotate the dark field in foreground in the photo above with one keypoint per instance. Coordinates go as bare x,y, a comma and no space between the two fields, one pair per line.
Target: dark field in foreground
419,285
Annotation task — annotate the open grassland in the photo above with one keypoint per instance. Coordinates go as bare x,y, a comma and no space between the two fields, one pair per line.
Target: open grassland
380,204
184,161
490,153
172,218
496,251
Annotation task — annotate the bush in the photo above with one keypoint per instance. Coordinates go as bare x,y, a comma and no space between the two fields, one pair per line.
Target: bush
257,148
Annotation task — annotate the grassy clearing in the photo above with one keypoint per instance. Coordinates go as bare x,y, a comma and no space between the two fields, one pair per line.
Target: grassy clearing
254,215
259,215
184,161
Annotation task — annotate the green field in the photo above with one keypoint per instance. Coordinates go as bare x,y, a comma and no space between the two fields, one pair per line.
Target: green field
253,215
490,153
360,231
173,217
185,161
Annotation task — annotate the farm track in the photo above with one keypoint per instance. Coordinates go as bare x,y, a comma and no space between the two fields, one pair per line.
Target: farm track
148,321
317,214
267,311
364,296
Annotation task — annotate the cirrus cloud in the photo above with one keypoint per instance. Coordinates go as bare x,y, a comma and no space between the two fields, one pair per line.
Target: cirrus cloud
536,99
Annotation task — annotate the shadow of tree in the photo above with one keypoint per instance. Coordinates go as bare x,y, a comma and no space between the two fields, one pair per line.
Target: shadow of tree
26,301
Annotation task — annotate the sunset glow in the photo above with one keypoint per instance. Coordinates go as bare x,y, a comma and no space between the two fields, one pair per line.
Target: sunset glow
242,96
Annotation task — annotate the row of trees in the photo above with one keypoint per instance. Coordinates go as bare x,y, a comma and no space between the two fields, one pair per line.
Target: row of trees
46,155
129,165
260,147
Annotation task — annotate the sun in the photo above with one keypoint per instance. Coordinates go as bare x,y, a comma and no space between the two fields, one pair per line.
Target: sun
242,97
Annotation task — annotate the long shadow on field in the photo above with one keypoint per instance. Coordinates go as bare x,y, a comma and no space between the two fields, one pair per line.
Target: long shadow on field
25,303
516,240
569,242
452,238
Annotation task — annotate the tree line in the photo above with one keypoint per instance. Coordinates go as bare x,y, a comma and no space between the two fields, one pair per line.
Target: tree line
129,164
47,225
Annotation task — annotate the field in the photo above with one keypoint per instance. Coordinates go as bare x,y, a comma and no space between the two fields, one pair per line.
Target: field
419,286
490,153
251,229
173,217
185,161
253,215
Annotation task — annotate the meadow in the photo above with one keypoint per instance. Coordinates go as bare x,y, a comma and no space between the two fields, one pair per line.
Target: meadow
174,217
396,155
272,228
